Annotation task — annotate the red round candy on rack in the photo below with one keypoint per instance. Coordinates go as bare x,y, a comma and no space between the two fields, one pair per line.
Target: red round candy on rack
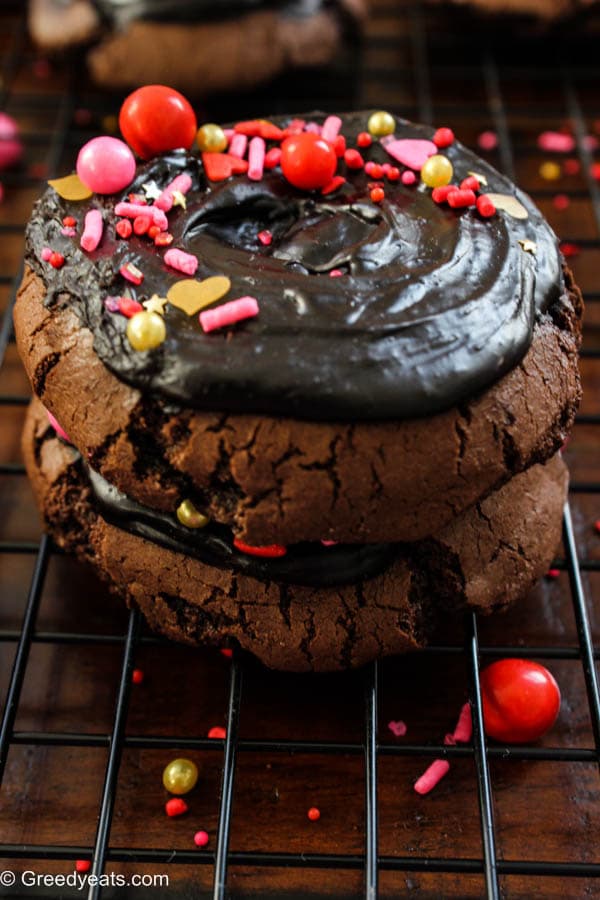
307,161
521,700
156,118
176,807
217,733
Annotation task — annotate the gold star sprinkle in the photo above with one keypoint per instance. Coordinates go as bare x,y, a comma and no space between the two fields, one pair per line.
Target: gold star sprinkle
529,246
179,199
480,178
156,304
151,190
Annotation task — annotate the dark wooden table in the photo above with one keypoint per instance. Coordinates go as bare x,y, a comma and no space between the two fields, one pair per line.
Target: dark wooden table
546,804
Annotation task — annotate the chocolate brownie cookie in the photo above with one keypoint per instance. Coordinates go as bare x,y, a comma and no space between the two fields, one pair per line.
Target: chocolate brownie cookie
485,559
408,358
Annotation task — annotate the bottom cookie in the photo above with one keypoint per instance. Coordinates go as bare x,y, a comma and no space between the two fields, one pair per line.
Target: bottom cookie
485,560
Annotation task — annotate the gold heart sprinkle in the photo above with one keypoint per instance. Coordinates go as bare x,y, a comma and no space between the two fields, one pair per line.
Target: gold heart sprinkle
191,296
71,187
529,246
510,205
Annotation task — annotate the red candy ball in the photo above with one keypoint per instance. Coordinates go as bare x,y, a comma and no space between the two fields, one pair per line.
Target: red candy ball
521,700
307,161
176,807
443,137
156,118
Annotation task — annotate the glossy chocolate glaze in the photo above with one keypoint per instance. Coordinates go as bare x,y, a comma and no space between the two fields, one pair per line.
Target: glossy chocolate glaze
307,563
433,305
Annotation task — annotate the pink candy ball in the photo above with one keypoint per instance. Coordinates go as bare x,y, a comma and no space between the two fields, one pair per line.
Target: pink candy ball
11,148
106,165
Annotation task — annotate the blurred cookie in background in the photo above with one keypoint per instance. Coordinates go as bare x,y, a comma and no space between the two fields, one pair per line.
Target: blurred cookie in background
196,46
541,10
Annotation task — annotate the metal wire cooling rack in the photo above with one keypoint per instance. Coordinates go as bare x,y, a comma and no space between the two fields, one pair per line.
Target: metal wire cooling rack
416,54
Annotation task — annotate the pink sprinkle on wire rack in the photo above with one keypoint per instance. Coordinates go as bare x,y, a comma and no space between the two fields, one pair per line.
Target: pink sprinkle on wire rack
398,728
464,726
432,776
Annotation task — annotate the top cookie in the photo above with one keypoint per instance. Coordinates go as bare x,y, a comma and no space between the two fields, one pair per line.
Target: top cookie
431,304
401,351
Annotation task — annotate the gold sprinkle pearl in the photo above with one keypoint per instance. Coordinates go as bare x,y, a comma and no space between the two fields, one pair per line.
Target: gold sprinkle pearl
550,171
180,776
189,516
146,330
381,123
211,138
437,171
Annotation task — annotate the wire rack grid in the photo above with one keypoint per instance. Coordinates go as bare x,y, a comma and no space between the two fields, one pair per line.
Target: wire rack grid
424,50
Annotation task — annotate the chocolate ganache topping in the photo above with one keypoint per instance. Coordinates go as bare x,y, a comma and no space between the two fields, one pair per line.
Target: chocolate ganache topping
432,305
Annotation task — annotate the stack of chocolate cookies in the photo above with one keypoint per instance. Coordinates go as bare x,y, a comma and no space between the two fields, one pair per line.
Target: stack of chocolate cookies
369,446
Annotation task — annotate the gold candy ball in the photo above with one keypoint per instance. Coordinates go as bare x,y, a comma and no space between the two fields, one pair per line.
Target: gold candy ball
211,138
381,123
437,171
146,330
180,776
189,516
